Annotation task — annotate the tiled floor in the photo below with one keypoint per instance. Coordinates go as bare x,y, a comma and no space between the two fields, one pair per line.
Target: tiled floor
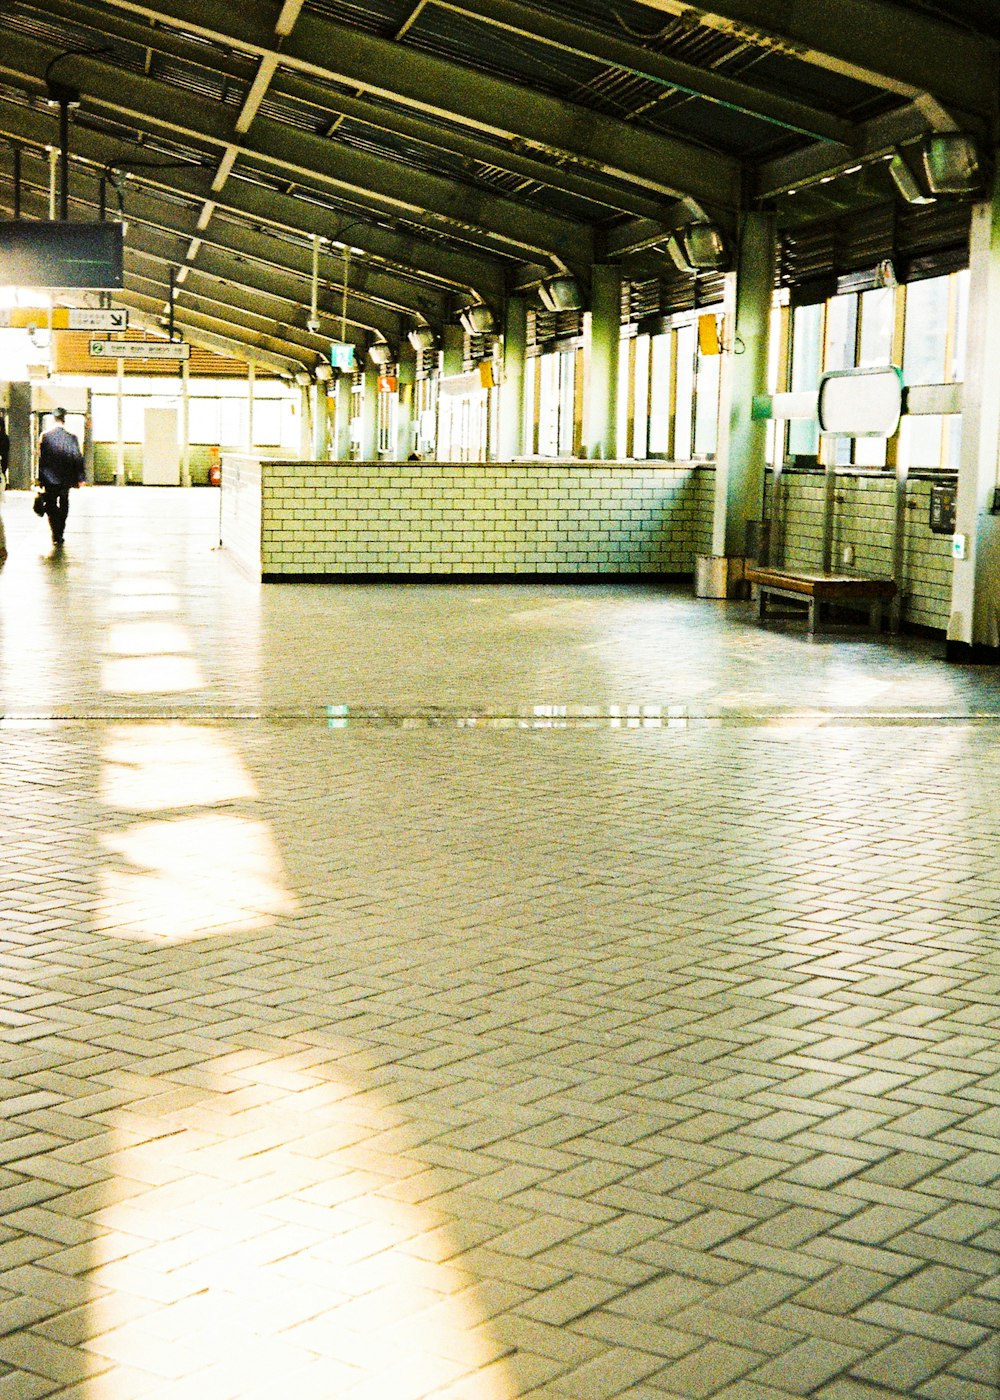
478,992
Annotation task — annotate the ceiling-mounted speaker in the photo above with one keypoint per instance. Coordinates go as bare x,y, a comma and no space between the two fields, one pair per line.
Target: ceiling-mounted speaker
422,338
477,319
908,184
699,248
381,353
561,293
951,163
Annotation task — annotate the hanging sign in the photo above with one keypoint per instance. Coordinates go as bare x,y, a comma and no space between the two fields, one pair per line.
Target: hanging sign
341,354
140,350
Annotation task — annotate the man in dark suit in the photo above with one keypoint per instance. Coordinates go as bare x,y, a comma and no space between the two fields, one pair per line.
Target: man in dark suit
60,468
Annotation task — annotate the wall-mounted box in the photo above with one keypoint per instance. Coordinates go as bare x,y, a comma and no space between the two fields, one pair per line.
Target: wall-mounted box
942,510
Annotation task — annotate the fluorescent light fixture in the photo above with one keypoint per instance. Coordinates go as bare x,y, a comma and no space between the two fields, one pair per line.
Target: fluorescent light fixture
561,293
698,248
422,338
477,319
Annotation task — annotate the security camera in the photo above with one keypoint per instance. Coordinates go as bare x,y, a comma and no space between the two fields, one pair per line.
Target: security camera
312,325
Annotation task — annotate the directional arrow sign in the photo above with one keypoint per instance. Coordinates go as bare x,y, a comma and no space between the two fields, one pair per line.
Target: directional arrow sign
93,319
139,350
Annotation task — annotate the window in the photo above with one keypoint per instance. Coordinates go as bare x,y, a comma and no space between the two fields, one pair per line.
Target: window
706,416
925,342
684,416
659,395
807,333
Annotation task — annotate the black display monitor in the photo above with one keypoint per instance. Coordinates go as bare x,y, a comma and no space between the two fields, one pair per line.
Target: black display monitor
55,254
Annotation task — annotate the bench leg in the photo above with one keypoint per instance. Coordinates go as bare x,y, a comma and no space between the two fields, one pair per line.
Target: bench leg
761,604
875,617
811,624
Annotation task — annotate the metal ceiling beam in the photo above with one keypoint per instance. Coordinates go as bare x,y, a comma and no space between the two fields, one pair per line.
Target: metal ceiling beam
571,36
872,141
616,195
414,194
419,260
245,325
220,345
902,52
150,275
371,302
189,323
338,53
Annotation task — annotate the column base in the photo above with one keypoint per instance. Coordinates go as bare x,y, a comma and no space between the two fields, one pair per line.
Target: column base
719,576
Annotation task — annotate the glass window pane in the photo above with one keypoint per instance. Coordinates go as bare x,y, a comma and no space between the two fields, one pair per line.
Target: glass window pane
659,395
706,426
548,406
807,325
104,418
621,421
869,452
567,397
203,421
926,335
920,440
640,433
960,285
685,393
877,316
841,328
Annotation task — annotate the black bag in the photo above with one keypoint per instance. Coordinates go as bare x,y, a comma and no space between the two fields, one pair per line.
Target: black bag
38,504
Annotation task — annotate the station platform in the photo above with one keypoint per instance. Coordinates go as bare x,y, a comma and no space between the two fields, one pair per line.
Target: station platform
478,992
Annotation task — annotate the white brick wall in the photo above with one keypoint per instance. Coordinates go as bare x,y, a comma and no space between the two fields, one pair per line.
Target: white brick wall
463,518
864,517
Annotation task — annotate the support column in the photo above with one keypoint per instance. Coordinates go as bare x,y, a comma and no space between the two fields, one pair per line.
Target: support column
453,351
185,424
251,387
88,440
369,413
742,444
321,424
974,626
600,429
305,423
510,442
21,468
406,434
342,420
120,459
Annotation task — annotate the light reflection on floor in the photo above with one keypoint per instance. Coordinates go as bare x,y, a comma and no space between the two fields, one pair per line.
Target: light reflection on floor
278,1268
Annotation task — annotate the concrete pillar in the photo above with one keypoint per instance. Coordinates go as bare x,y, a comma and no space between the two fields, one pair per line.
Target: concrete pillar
120,457
742,442
600,427
369,412
185,425
21,468
453,350
406,427
341,447
88,440
305,423
510,443
321,424
974,625
251,387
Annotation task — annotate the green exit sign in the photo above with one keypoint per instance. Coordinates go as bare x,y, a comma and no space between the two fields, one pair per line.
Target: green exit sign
341,355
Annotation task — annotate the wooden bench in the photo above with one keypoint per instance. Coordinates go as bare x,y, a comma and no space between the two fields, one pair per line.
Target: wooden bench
815,590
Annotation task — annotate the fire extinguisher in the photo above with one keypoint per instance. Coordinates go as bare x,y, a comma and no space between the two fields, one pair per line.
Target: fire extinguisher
214,467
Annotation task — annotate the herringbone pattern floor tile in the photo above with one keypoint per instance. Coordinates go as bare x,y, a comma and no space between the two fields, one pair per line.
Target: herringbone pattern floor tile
370,1053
